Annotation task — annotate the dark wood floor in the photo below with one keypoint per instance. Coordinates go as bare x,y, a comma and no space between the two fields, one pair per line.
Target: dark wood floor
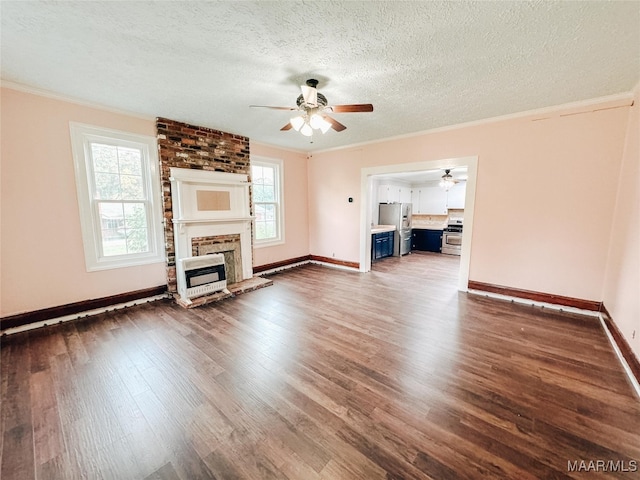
327,374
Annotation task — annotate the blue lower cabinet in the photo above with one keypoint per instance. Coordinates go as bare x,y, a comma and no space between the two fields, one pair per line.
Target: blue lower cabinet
426,240
382,245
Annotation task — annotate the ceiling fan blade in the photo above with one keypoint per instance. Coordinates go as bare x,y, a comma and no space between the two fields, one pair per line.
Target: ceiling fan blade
273,108
286,127
360,107
310,95
336,125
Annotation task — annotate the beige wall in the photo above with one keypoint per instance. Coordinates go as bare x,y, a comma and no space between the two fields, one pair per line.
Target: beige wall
546,189
334,222
296,221
622,285
42,258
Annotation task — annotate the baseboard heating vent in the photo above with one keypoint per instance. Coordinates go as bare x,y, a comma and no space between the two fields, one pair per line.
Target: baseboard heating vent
201,275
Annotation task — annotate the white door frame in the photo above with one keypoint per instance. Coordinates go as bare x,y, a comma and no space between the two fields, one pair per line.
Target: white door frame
365,207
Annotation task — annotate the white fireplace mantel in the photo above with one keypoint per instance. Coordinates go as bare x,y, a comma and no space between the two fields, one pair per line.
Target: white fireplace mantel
209,204
190,188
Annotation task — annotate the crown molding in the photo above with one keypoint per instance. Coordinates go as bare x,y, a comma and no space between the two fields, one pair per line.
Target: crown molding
63,98
582,106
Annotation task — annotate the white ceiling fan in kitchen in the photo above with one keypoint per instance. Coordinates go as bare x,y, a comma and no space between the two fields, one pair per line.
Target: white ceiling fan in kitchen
312,111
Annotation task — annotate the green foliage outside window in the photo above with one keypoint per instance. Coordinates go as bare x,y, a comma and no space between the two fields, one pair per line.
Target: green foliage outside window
265,202
120,192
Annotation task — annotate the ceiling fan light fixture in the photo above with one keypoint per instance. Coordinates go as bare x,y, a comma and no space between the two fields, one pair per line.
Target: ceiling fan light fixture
318,123
306,130
297,122
324,126
315,120
447,180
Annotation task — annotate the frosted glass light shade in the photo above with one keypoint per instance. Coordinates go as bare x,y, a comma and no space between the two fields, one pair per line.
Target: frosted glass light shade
306,130
297,123
447,182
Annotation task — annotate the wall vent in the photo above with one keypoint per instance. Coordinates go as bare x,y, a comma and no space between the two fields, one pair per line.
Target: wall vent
201,275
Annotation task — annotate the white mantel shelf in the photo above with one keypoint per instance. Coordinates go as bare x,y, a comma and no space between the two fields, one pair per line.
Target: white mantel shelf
189,175
215,220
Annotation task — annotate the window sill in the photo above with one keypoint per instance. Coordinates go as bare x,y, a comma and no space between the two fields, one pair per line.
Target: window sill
267,243
124,263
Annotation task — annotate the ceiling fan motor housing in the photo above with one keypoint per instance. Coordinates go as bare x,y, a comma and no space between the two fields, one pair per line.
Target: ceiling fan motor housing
321,99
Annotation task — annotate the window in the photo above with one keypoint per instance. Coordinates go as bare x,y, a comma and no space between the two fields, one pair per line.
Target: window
119,197
266,175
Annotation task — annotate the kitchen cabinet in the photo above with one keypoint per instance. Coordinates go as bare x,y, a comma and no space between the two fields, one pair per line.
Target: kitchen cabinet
456,194
393,194
388,194
405,194
435,200
382,245
426,240
431,201
415,199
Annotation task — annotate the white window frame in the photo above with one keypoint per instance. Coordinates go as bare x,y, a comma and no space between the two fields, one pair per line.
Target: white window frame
81,138
278,165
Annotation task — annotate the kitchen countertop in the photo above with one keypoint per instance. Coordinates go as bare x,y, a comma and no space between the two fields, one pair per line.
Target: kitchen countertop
429,225
382,228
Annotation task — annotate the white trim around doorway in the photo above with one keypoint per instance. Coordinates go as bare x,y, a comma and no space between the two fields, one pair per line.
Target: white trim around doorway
366,175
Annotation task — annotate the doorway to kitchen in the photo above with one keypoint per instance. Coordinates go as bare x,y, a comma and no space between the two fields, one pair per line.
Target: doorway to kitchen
369,184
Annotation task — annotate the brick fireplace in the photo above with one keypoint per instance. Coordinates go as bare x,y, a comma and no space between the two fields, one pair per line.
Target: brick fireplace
183,147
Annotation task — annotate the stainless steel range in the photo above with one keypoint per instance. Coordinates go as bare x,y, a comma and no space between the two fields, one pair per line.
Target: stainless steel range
452,237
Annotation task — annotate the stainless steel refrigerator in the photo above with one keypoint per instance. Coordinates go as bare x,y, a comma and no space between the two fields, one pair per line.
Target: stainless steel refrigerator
398,214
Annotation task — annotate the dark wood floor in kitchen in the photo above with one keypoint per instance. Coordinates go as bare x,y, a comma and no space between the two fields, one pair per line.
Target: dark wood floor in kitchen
327,374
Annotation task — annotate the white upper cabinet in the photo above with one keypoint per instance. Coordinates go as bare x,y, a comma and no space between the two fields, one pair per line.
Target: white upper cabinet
388,194
432,201
415,199
393,194
456,195
405,194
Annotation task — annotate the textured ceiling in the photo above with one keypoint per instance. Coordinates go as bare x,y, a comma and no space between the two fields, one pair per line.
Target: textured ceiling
422,65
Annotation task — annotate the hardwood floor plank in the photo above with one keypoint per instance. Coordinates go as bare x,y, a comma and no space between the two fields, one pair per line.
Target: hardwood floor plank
245,460
288,435
47,434
515,462
17,457
17,453
167,436
74,346
389,462
166,472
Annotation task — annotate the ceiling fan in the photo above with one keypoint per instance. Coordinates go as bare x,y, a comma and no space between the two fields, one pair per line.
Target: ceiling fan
312,108
447,181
